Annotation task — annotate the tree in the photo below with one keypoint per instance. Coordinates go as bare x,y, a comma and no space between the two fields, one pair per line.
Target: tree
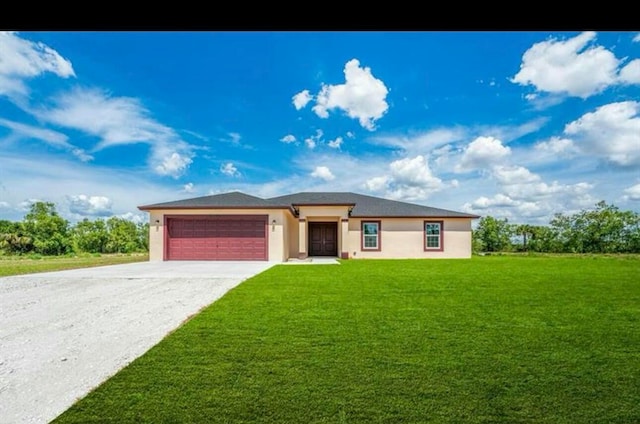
91,236
48,230
123,236
13,239
493,235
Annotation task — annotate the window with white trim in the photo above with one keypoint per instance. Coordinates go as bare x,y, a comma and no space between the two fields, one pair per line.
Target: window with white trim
370,235
433,235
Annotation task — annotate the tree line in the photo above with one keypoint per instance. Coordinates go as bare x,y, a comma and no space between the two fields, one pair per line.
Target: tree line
43,231
605,229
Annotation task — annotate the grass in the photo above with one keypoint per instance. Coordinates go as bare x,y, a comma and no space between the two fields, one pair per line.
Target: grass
486,340
15,265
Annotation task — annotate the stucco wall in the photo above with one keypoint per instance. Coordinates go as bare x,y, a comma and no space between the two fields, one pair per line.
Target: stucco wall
277,250
404,238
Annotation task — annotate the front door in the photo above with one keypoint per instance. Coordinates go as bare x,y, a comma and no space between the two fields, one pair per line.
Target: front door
323,239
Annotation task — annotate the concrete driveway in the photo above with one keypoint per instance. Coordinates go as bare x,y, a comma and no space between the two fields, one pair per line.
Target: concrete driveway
63,333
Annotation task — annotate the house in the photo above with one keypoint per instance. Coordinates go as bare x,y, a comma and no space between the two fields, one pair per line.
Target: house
237,226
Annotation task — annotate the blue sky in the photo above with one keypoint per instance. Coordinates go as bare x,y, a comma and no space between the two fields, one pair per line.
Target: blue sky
510,124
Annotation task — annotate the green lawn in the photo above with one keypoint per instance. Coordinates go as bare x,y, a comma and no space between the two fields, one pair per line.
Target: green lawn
486,340
14,265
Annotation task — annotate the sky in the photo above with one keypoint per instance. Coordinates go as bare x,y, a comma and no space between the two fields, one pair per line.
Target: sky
517,125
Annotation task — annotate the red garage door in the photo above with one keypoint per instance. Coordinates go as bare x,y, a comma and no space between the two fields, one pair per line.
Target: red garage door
219,237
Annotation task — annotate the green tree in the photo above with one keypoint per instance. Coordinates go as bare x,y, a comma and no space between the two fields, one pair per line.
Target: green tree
13,239
48,230
91,236
493,235
123,236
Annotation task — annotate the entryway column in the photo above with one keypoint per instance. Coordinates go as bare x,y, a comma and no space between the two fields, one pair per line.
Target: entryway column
344,236
302,238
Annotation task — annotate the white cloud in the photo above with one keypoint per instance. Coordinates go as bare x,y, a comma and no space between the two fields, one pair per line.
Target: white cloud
556,146
632,193
570,67
508,175
630,74
612,131
136,218
323,172
335,144
21,59
377,184
52,138
301,99
362,96
313,140
482,152
499,199
289,138
229,169
636,39
188,188
408,179
173,165
4,205
120,121
310,142
84,205
350,134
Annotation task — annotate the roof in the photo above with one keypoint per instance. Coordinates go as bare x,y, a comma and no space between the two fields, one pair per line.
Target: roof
369,206
362,205
234,199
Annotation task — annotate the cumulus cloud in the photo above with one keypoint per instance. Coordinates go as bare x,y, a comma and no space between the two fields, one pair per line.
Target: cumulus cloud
630,74
82,204
313,140
362,96
632,193
335,144
188,188
229,169
499,200
50,137
323,172
289,138
612,131
482,152
301,99
21,59
119,121
575,66
637,38
136,218
4,205
556,146
408,178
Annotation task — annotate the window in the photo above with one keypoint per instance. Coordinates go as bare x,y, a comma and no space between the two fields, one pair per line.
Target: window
433,235
370,235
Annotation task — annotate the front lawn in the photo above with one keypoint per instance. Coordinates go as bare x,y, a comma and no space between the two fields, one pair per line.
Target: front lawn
491,339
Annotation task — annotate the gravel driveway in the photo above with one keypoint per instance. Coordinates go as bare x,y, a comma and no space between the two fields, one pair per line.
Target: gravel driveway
63,333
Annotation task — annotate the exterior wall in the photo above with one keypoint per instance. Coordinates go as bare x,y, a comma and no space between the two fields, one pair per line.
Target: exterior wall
291,235
278,243
404,238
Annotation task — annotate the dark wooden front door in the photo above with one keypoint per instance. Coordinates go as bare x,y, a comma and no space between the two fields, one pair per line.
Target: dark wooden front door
323,239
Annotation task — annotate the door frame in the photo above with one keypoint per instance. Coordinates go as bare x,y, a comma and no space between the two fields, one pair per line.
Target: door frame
333,224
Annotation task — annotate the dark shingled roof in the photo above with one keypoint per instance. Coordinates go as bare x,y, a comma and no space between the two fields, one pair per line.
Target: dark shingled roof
363,206
369,206
225,200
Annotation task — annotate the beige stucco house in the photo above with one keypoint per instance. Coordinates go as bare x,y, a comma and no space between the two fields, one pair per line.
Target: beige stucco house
237,226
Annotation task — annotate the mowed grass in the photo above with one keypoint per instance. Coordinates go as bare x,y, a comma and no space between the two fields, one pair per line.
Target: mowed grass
15,265
485,340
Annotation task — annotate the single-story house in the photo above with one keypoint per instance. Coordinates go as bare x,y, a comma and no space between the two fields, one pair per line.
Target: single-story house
237,226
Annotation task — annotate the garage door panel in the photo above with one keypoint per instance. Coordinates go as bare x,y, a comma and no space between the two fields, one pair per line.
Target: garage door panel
217,238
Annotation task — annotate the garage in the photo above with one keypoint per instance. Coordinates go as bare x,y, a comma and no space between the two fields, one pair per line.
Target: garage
216,237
